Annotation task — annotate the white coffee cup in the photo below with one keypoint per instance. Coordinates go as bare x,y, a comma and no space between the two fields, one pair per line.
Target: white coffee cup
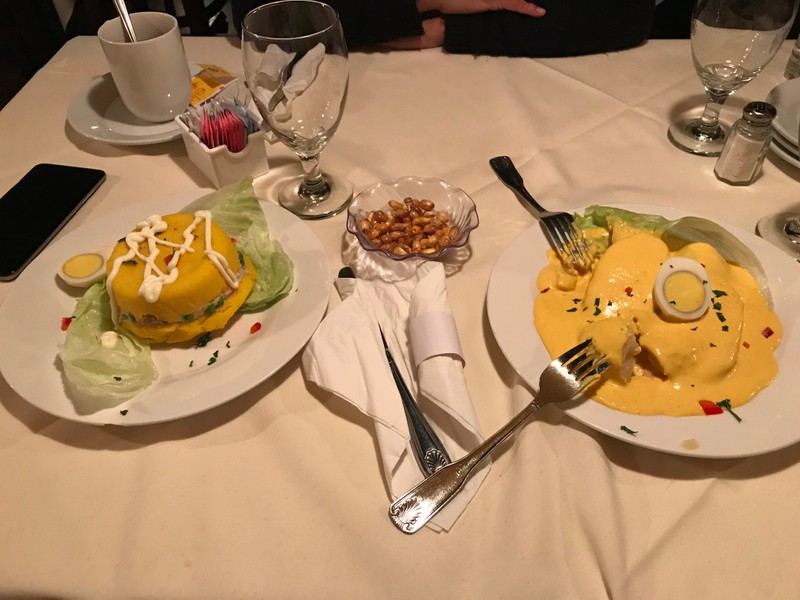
152,74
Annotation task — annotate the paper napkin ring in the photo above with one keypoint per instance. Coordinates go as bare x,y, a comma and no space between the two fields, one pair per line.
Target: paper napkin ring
434,334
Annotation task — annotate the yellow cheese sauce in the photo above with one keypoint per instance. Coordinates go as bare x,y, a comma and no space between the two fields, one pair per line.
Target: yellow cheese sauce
660,366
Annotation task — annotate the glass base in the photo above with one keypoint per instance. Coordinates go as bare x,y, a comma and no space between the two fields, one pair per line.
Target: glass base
783,230
693,136
334,202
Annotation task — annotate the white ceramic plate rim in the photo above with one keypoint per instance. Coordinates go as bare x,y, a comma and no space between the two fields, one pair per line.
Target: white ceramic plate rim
778,146
31,314
93,125
770,421
786,99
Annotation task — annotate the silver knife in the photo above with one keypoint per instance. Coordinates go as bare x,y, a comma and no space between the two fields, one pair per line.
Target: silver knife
428,448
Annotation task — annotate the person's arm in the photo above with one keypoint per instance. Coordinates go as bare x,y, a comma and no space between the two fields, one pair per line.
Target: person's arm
364,22
433,23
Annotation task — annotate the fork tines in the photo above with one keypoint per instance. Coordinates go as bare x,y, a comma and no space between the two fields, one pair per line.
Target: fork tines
568,239
584,362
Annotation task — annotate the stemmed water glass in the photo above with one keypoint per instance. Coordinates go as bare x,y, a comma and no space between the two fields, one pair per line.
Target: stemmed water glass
295,64
783,230
732,41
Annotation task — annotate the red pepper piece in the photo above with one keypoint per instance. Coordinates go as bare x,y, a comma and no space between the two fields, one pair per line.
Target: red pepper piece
767,332
168,258
710,408
746,344
629,291
255,327
547,289
65,323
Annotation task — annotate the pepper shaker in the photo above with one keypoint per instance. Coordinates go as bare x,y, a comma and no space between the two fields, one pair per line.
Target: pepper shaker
744,151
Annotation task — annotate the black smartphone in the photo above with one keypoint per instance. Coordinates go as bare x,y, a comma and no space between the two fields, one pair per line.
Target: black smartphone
37,207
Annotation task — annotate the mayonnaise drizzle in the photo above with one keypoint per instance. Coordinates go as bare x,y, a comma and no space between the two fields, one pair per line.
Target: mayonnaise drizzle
154,278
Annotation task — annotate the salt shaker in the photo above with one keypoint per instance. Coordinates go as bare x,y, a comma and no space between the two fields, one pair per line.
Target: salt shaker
744,151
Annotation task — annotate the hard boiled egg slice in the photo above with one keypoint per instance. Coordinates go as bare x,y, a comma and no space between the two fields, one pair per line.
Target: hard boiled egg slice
83,270
682,290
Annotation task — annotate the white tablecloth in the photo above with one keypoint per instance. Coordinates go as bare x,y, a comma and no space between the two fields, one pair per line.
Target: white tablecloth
278,493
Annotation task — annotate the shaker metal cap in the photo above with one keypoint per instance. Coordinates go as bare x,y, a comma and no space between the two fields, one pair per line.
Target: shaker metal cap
759,113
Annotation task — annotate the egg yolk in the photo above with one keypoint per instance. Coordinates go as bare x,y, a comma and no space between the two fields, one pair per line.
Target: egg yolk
83,265
684,291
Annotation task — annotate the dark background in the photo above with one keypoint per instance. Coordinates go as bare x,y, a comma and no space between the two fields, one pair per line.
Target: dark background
31,33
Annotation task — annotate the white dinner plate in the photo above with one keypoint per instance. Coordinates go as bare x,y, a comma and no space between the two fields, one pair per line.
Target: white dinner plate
97,112
31,315
770,421
786,100
780,147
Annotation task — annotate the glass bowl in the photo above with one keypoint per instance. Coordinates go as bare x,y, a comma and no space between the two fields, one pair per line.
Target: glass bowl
446,198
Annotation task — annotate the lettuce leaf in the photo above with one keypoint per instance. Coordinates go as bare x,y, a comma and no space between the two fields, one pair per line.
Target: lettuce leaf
236,209
114,373
682,231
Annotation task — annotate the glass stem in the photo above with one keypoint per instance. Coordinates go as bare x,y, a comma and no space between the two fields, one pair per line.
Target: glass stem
792,227
314,185
710,118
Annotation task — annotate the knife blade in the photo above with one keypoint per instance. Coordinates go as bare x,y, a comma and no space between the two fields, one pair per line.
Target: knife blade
428,448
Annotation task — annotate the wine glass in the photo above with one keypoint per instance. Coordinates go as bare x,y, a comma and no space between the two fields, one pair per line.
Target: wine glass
295,64
732,41
783,230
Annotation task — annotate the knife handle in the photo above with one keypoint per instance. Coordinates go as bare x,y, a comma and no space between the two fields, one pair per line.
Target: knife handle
428,448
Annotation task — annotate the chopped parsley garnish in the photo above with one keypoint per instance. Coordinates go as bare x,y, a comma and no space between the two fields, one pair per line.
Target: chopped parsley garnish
694,328
726,404
203,340
719,293
628,430
130,261
573,309
228,344
724,328
712,345
721,317
123,412
213,306
597,311
117,378
716,306
191,363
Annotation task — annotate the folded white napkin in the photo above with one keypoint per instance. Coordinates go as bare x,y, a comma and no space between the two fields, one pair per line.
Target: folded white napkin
270,72
346,357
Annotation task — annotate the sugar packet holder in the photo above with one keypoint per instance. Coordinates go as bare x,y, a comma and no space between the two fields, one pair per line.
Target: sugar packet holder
221,166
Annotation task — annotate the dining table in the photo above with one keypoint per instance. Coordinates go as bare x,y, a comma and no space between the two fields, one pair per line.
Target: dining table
278,491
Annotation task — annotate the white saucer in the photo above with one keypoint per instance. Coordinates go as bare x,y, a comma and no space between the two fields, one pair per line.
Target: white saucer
786,100
98,113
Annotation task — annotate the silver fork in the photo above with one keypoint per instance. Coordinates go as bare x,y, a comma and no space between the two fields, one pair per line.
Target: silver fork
562,380
567,239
